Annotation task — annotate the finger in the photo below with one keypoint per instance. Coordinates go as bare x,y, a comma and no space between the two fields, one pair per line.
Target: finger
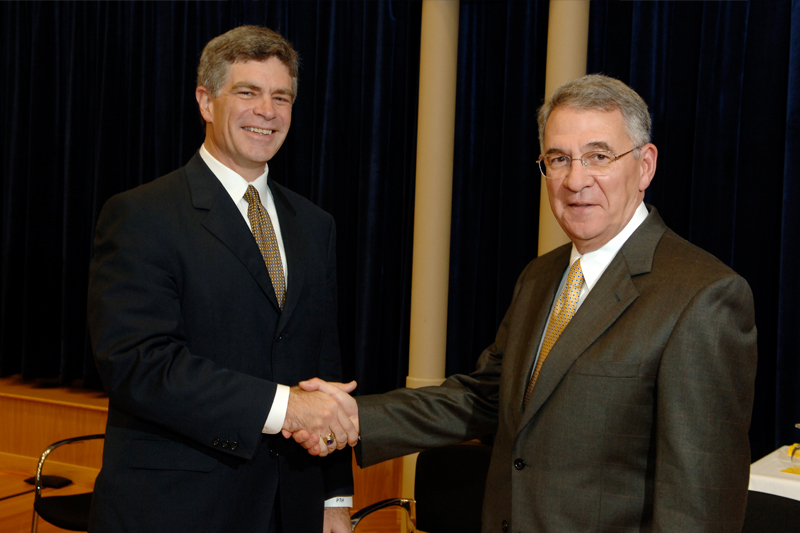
343,428
348,415
305,439
340,427
323,450
311,384
351,434
347,387
318,384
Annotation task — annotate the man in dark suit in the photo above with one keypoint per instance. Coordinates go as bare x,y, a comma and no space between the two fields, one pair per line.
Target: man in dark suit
620,383
212,289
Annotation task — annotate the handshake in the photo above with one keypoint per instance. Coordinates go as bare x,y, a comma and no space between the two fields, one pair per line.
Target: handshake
322,416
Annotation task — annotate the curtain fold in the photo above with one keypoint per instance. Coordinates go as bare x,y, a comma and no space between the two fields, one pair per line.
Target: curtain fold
721,82
100,98
787,371
495,218
103,101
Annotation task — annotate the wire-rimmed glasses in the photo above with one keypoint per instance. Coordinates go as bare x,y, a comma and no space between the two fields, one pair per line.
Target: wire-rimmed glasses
556,166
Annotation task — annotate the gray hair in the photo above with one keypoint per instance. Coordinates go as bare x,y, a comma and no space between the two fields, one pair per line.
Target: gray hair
245,43
601,93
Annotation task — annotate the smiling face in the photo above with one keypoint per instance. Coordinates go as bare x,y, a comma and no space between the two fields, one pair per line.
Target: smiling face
248,121
592,210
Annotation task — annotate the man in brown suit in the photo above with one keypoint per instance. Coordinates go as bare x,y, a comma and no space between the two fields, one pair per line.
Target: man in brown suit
635,417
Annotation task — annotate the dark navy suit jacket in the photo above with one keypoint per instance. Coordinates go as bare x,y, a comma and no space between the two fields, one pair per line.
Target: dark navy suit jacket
190,345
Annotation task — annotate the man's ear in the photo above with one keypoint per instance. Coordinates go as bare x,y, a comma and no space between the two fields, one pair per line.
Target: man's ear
205,103
647,164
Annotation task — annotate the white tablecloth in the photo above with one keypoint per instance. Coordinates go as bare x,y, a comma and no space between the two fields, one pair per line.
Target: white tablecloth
766,475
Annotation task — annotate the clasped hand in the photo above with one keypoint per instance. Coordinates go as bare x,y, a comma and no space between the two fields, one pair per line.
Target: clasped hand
318,409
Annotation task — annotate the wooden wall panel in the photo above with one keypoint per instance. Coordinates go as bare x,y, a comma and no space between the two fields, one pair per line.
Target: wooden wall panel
30,425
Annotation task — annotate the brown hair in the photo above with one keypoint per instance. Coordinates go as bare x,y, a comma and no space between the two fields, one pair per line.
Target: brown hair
245,43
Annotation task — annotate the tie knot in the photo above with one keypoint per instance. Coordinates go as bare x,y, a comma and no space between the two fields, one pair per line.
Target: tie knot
575,273
251,195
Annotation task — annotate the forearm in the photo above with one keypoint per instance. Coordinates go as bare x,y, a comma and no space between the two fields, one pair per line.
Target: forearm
409,420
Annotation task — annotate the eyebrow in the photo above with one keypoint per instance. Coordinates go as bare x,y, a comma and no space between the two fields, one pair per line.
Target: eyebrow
598,145
245,85
588,147
252,86
287,92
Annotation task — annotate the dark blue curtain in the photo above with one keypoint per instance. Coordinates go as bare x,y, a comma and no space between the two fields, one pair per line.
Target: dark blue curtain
723,83
100,98
495,220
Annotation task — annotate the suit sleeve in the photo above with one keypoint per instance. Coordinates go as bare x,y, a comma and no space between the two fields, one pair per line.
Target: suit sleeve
136,327
338,467
462,408
704,402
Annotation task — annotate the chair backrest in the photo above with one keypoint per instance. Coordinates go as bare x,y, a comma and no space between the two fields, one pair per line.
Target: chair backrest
67,512
449,487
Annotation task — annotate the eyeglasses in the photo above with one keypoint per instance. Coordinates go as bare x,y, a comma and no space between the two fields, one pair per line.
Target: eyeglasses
556,166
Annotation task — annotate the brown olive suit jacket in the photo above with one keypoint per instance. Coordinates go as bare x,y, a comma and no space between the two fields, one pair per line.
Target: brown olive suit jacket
639,418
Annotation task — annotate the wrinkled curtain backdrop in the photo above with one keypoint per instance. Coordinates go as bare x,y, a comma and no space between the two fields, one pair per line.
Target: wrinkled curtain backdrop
98,98
722,80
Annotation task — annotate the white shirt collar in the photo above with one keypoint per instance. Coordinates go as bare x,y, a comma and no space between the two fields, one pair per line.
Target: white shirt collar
233,182
593,264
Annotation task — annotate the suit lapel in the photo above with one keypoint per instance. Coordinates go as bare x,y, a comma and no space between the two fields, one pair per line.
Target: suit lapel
613,293
225,222
534,297
294,244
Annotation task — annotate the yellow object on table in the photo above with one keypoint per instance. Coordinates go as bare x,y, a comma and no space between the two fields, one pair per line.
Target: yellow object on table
771,475
794,452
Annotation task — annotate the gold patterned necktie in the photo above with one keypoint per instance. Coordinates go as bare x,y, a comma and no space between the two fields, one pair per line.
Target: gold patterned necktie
267,242
563,312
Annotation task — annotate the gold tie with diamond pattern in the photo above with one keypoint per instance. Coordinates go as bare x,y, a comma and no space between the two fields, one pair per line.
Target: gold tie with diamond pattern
563,312
267,242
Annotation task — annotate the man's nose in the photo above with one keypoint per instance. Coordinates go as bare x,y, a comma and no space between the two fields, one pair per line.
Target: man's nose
264,107
577,177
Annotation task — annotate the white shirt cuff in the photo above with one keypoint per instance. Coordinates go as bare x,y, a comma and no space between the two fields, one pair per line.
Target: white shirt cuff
340,501
277,413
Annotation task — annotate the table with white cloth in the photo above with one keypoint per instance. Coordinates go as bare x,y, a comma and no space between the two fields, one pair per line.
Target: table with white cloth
773,503
766,475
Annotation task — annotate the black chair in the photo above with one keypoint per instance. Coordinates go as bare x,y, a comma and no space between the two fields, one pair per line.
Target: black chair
448,490
67,512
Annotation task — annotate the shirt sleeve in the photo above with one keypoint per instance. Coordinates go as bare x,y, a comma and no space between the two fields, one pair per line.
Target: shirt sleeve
277,413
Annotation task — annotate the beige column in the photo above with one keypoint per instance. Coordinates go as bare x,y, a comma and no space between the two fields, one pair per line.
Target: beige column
433,202
567,43
434,192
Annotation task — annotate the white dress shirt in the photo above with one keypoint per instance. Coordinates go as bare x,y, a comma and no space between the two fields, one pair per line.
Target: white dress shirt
593,264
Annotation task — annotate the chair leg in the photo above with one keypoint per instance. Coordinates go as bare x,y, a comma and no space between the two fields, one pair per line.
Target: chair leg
35,525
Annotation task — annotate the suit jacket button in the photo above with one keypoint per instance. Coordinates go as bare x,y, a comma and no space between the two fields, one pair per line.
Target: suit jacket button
273,454
234,445
505,525
519,464
225,444
215,442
